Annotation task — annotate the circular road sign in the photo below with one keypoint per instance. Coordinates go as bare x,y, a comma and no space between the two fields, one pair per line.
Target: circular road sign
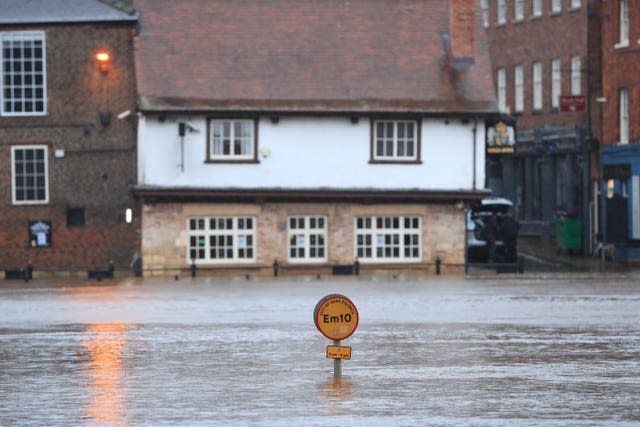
336,317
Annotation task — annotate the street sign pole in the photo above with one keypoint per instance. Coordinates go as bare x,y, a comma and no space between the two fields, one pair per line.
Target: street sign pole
337,363
336,317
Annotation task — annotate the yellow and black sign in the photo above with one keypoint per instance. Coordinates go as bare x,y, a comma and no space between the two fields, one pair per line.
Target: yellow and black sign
338,352
336,317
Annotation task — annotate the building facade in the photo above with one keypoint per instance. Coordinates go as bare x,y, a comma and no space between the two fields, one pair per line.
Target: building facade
68,163
339,136
619,189
544,75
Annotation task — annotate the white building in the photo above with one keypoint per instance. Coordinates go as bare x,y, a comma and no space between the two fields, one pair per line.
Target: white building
339,131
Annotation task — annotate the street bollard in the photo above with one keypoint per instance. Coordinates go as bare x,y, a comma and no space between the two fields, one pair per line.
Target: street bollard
276,267
438,262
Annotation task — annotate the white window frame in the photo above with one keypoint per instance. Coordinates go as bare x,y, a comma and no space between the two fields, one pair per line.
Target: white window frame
536,7
624,24
29,84
556,6
623,112
388,239
556,82
501,13
518,88
501,83
576,4
484,5
576,75
399,144
537,86
234,238
33,175
223,136
307,238
518,10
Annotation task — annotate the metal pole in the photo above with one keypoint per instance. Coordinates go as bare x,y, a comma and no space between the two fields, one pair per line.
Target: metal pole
337,363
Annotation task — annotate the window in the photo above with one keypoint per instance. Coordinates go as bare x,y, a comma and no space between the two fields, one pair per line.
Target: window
388,238
23,81
624,24
232,140
221,239
75,217
575,4
556,83
537,85
307,238
501,12
575,75
556,6
484,4
624,116
395,140
518,10
537,7
518,78
502,89
29,174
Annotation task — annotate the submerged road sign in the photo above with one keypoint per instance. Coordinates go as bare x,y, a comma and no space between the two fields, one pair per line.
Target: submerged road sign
336,317
338,352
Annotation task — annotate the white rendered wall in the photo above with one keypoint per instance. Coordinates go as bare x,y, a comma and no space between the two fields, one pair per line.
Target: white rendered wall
311,153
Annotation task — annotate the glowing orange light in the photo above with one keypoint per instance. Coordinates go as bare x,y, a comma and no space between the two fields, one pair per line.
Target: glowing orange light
103,56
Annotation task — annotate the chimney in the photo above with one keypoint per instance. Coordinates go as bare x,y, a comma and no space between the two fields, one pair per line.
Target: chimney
463,17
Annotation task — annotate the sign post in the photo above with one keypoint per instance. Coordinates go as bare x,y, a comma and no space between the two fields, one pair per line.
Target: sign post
336,317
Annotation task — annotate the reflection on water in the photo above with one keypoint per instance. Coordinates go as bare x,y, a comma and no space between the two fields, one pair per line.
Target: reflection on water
106,345
336,394
248,353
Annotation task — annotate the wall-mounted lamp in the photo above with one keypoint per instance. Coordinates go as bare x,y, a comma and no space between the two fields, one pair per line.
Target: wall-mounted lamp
104,59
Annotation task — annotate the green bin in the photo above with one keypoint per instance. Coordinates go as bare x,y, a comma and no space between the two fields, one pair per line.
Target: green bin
569,233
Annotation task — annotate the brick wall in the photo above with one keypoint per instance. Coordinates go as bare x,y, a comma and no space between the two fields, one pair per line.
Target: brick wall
99,163
165,237
544,38
620,70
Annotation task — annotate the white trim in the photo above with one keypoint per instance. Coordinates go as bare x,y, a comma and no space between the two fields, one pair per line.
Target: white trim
374,239
624,24
537,86
13,175
396,140
623,113
556,82
501,83
246,142
303,238
635,207
25,36
518,82
501,13
576,75
237,235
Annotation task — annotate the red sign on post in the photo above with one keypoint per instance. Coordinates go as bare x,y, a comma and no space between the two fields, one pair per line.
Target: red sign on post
572,103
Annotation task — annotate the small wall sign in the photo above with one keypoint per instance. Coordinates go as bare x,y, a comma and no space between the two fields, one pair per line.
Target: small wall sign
40,234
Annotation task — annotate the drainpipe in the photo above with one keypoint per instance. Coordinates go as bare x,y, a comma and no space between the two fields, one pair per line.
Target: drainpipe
474,131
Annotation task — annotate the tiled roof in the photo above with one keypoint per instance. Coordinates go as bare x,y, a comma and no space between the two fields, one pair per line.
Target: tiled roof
310,55
59,11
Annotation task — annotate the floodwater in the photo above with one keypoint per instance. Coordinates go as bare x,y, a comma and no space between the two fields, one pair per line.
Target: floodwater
230,352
